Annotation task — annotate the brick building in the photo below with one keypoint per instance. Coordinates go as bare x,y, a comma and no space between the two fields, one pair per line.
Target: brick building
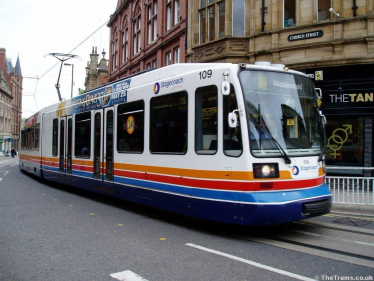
146,34
10,105
331,41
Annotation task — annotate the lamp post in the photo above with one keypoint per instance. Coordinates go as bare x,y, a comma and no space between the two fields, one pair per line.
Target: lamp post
72,77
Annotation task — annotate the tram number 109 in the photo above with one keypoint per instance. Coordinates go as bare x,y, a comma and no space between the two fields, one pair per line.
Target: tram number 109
206,74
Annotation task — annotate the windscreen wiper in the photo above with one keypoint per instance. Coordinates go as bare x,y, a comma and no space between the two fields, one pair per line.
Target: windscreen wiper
287,159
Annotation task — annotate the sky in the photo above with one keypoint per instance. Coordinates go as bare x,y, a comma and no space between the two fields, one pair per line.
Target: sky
32,29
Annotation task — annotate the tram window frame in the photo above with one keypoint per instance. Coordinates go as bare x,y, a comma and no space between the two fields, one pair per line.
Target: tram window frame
130,141
162,110
82,121
55,137
206,121
232,142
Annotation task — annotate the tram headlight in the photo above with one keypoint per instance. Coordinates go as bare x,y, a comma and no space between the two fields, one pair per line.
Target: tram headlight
265,170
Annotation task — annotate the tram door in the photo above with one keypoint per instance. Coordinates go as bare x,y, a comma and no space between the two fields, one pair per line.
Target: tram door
103,150
65,149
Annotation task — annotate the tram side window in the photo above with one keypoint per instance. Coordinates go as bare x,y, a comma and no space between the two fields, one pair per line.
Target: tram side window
130,127
232,137
82,141
54,136
32,137
168,121
206,120
23,139
37,133
28,138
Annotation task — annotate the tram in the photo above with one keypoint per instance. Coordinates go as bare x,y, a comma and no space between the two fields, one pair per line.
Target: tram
234,143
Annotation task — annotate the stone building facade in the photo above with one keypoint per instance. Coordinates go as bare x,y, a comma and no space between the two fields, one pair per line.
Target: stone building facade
96,73
5,114
10,105
331,41
146,34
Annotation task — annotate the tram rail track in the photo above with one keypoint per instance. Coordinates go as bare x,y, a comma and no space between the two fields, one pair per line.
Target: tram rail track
296,237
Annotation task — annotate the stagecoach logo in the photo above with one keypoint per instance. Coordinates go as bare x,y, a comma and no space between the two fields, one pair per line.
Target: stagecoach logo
295,170
173,84
156,88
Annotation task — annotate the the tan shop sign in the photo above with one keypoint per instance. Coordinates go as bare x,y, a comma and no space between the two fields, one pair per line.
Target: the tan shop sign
353,98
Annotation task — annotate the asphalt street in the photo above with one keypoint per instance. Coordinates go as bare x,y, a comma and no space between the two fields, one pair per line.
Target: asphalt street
54,232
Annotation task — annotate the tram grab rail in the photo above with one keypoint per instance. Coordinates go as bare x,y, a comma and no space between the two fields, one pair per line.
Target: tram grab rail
351,190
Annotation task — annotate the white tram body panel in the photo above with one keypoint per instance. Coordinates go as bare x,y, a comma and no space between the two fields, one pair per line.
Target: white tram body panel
164,138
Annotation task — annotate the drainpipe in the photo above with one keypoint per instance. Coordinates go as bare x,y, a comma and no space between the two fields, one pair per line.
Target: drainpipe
354,8
263,16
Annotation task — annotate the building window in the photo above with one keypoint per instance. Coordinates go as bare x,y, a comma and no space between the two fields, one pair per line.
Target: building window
206,120
115,50
176,11
130,127
168,122
323,10
152,21
126,44
211,28
137,30
289,13
221,20
172,13
238,12
125,41
177,55
82,140
154,63
168,58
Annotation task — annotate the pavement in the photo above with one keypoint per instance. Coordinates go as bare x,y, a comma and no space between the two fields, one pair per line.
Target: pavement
4,159
353,209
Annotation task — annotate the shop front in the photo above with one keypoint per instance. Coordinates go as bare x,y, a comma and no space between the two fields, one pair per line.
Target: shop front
348,104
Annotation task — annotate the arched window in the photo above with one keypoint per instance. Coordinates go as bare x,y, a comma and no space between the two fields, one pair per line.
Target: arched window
136,22
114,49
125,40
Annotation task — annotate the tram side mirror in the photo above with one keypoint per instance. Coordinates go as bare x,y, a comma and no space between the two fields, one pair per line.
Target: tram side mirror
233,120
225,89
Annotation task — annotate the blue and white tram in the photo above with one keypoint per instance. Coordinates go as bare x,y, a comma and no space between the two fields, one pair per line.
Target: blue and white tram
233,143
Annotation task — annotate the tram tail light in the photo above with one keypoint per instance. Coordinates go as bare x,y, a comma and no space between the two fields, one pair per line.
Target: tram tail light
267,170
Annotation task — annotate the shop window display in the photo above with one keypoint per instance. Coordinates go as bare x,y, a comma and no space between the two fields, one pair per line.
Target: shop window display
345,145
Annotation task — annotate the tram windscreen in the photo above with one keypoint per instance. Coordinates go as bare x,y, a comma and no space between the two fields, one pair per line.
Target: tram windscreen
282,110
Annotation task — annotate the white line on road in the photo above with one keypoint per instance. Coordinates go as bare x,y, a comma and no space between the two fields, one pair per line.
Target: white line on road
279,271
6,173
1,179
127,275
